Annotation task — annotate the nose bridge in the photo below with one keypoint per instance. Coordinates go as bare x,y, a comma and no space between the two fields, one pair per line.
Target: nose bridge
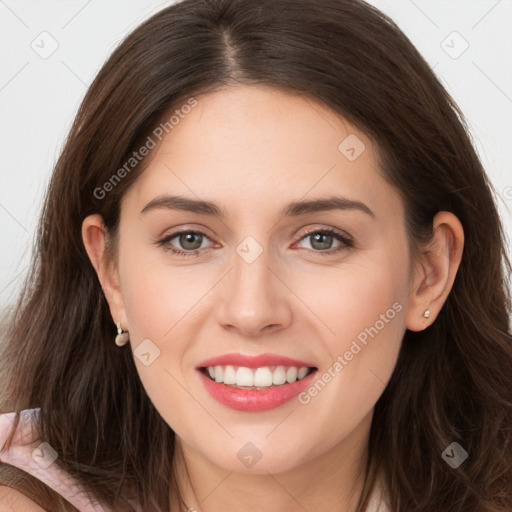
253,298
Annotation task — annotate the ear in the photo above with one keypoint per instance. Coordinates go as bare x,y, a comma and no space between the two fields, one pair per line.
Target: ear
94,235
435,272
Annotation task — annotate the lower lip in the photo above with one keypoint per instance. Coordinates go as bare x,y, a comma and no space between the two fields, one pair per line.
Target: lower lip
253,400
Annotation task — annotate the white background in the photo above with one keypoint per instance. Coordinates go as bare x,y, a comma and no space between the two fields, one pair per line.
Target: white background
39,97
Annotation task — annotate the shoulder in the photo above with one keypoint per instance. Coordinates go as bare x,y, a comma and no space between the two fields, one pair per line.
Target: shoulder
379,498
12,500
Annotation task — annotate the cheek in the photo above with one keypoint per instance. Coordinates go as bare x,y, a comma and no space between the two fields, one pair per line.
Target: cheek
364,309
349,299
160,302
163,304
158,296
371,318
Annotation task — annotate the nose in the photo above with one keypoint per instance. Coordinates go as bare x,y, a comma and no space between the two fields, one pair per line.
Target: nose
253,300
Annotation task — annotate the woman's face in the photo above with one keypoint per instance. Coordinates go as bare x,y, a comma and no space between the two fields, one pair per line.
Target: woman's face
269,271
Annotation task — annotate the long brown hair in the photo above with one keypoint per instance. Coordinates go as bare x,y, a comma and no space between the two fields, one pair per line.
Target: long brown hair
452,382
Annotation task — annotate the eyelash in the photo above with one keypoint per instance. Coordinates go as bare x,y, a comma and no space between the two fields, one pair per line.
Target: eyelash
346,242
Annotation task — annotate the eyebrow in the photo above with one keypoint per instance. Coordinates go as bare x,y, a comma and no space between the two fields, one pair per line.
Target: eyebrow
293,209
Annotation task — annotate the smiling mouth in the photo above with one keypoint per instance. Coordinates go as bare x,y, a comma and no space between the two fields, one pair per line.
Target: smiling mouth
262,378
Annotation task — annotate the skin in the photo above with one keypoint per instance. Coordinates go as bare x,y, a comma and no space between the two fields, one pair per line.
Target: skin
12,500
252,150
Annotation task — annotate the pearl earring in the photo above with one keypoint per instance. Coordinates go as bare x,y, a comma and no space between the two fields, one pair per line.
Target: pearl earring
122,336
427,313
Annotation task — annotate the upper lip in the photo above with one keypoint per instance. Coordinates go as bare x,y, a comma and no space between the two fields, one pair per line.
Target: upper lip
256,361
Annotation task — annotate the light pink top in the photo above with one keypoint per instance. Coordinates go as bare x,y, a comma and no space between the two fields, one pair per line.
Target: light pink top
30,454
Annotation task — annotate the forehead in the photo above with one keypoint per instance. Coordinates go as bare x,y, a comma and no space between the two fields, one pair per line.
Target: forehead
250,147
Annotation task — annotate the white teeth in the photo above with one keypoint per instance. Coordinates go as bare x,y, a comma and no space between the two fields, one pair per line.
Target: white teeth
279,376
302,373
244,377
291,374
229,375
264,377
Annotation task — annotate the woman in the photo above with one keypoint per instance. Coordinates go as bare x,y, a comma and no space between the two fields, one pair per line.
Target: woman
276,212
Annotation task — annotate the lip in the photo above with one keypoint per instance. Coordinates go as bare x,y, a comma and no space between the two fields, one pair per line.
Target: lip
257,361
254,400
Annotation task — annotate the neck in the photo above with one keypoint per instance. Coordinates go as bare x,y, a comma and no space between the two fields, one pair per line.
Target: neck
331,480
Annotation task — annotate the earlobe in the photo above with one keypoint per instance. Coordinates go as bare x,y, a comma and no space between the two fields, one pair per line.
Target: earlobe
435,272
94,235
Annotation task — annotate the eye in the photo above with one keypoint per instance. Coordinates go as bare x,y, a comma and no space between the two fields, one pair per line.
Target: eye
321,241
188,243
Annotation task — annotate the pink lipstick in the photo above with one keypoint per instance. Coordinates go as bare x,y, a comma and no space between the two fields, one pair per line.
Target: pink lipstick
255,383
